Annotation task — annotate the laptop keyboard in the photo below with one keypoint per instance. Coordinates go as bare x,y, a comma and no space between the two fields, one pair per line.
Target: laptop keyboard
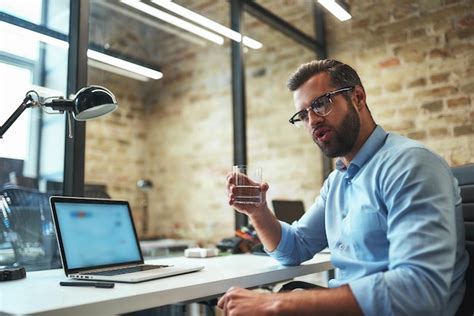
128,270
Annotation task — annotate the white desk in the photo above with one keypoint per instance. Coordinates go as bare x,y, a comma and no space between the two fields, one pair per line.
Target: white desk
41,294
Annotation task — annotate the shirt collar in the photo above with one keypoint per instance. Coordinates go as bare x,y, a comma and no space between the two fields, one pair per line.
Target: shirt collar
367,151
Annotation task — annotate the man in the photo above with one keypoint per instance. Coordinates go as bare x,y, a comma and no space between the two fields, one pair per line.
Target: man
390,214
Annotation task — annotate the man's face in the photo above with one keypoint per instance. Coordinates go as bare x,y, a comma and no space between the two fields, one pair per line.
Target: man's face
337,132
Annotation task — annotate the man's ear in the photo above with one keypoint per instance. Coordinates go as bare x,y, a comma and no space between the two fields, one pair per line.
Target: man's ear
358,98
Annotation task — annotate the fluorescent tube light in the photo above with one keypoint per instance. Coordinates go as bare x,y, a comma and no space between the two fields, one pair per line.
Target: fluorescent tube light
134,71
174,20
336,9
144,71
119,71
210,24
251,43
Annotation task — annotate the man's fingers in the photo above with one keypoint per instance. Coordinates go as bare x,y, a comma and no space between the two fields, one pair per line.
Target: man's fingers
230,179
221,302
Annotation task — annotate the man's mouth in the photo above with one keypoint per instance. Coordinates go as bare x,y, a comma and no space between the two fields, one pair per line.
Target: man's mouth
322,134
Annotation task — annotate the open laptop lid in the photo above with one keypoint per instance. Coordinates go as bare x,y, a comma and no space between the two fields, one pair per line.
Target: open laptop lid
94,233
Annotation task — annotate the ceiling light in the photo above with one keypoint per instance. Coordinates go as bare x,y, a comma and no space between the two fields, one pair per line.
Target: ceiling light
339,10
125,67
119,71
174,20
210,24
123,64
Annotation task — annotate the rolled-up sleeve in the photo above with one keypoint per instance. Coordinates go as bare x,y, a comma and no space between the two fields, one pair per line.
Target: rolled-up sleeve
301,240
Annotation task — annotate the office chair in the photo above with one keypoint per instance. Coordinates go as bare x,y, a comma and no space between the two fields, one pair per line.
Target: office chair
465,176
26,220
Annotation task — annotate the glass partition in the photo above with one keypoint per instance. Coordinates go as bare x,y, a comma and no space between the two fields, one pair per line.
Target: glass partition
290,160
168,147
32,149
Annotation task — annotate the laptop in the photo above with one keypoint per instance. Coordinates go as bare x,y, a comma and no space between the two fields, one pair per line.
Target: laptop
98,241
288,211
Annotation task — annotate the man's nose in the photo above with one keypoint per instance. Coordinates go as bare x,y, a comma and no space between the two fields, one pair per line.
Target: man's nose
313,118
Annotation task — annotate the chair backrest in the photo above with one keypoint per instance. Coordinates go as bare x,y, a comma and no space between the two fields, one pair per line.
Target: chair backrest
288,211
28,226
465,177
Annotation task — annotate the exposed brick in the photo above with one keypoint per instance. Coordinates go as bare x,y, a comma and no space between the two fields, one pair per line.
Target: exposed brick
390,62
435,106
410,54
387,113
404,10
400,125
459,102
463,130
462,49
418,135
467,88
439,78
437,92
457,35
397,38
360,24
466,21
438,132
420,82
393,86
439,53
418,33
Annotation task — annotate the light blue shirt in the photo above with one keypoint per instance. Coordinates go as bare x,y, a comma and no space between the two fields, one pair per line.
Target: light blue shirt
393,222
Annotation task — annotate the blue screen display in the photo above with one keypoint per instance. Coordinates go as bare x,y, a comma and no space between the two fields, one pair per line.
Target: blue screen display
96,234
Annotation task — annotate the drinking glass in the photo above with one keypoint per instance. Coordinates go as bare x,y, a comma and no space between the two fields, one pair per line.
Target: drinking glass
247,184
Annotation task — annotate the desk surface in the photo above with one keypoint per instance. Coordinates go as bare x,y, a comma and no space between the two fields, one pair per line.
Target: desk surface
40,293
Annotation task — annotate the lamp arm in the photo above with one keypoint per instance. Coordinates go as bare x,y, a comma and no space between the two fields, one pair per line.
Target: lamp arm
27,103
60,105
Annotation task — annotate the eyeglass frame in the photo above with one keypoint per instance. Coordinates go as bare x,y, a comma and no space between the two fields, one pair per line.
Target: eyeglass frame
313,105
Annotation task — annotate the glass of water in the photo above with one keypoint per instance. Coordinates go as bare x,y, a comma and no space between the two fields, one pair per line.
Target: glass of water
247,180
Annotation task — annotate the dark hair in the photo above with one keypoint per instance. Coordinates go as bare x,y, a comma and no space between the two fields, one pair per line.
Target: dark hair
341,75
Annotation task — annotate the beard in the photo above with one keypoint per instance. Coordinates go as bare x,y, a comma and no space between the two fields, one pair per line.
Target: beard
343,137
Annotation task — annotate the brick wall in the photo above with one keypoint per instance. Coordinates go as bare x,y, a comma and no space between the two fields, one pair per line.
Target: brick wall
415,60
116,144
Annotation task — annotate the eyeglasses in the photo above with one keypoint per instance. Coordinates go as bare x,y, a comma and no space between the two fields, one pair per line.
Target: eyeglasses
321,106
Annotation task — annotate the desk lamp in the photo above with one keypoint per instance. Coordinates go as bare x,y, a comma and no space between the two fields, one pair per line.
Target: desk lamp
89,102
145,185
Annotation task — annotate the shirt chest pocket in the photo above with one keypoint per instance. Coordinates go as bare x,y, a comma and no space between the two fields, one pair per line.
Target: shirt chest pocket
368,233
366,221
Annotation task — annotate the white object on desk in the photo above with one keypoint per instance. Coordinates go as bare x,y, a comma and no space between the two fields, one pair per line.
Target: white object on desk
41,294
201,252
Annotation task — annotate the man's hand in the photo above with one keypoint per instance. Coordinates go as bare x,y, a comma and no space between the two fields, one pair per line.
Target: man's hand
267,226
338,301
248,209
238,301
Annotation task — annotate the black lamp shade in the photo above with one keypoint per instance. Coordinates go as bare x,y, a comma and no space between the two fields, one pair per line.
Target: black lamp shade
93,101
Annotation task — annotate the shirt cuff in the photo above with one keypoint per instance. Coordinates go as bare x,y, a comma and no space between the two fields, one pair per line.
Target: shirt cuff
371,295
284,244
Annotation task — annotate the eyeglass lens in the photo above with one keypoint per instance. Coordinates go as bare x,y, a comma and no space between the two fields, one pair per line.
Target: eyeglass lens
320,106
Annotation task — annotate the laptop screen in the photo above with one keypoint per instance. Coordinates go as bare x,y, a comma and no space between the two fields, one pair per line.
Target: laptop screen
96,234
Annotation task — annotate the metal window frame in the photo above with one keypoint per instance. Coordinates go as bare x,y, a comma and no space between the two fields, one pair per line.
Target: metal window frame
318,45
74,160
74,148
